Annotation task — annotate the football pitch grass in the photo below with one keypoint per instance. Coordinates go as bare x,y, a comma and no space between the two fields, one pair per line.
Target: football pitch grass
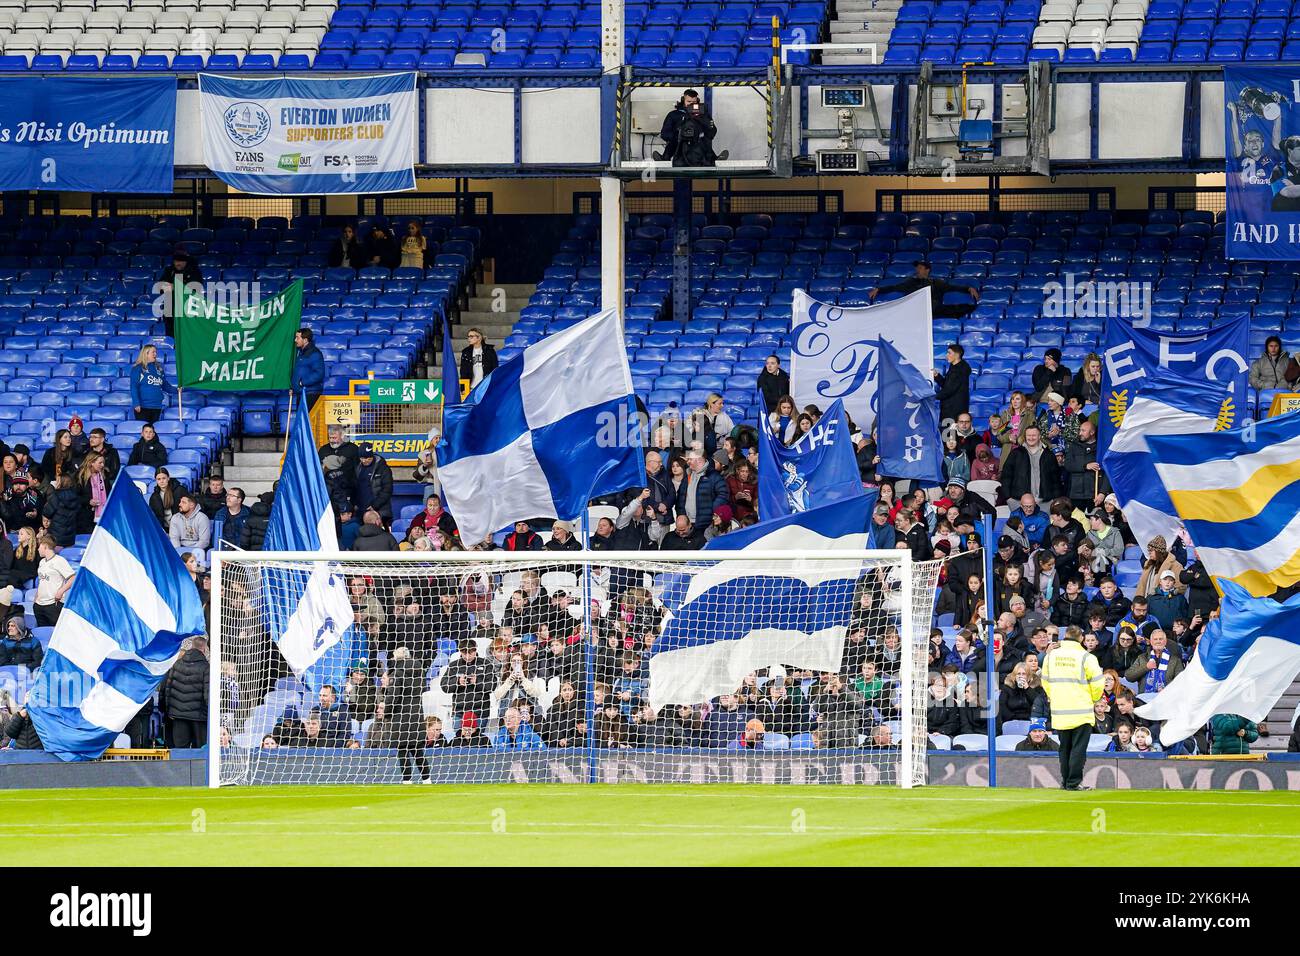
646,826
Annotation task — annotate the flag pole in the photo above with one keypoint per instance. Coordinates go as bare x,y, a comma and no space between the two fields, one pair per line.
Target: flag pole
589,657
990,666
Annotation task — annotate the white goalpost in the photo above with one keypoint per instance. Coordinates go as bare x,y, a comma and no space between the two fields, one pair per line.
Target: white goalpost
575,667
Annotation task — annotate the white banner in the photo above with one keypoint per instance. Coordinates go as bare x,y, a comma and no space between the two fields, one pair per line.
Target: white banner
308,137
834,350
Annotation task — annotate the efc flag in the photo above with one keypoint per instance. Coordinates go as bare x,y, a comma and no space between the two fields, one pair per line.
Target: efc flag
833,351
311,617
1261,125
242,349
304,137
546,432
1244,662
818,469
83,134
730,618
130,607
1166,404
1134,352
908,424
1238,494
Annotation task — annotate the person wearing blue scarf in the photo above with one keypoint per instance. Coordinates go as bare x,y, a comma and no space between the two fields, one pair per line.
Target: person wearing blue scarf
1154,672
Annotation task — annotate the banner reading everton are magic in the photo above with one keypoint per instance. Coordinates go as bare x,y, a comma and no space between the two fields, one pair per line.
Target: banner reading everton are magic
302,137
1132,353
88,134
1262,152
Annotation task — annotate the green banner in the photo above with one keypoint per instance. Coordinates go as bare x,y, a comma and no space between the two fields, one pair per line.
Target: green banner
240,349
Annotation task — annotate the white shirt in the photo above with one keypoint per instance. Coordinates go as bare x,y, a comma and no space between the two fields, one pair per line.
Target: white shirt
52,574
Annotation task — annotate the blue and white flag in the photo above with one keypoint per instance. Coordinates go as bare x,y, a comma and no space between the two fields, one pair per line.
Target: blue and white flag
305,136
1245,661
311,616
907,432
833,348
1134,352
1166,404
130,607
1238,494
819,469
450,367
546,432
730,618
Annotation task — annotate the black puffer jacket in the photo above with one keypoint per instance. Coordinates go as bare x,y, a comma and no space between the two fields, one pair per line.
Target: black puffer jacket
253,535
184,694
22,732
371,537
25,650
63,509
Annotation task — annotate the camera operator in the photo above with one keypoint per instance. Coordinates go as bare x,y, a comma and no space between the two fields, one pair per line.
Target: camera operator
689,130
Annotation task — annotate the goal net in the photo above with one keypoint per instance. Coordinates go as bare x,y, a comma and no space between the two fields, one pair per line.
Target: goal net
575,667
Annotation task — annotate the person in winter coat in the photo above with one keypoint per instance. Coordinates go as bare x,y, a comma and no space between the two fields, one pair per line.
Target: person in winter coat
63,509
1021,691
404,713
1167,605
340,460
149,450
469,680
59,459
93,486
99,445
373,536
1269,370
1038,738
183,698
1202,597
742,492
346,250
148,385
1158,561
381,249
985,466
1051,375
22,732
1232,733
523,538
1107,543
953,386
435,516
478,359
967,654
702,490
1084,477
374,483
1031,468
941,715
684,536
308,367
253,534
1155,669
19,647
688,131
166,498
710,424
1071,607
921,279
773,383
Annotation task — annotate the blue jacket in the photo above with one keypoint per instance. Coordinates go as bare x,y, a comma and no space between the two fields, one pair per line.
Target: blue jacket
1035,524
525,739
232,525
309,371
148,383
975,662
712,492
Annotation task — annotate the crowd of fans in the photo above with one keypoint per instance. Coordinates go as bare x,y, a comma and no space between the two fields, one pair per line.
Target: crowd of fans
524,678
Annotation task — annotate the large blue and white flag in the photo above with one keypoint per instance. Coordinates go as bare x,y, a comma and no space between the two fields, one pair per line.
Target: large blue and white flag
819,469
907,433
310,614
1134,352
833,348
1245,661
129,609
730,618
1238,494
546,432
1166,404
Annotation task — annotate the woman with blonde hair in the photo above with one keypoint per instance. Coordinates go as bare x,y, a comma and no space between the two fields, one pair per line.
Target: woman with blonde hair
478,359
148,383
1086,386
1021,692
94,484
414,245
1017,416
26,559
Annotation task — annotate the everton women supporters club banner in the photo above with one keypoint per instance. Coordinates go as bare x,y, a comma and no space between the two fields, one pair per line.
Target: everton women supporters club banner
1262,148
86,134
308,137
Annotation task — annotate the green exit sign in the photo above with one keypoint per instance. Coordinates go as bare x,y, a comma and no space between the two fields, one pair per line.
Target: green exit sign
410,391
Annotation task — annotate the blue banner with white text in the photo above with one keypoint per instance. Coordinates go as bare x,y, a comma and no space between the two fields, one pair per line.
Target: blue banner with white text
86,134
1261,128
1133,352
819,469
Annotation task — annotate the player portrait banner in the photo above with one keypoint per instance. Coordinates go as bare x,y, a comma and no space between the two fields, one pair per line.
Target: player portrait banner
1261,126
833,352
1133,352
225,349
305,137
88,134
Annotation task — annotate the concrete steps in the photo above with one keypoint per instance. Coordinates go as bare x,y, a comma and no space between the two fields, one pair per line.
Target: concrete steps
255,465
1279,721
865,23
482,315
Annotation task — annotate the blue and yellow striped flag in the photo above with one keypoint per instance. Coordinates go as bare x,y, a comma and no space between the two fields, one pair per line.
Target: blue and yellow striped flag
1238,494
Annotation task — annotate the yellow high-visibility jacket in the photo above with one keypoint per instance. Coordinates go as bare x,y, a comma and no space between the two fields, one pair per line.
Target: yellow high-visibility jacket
1073,682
